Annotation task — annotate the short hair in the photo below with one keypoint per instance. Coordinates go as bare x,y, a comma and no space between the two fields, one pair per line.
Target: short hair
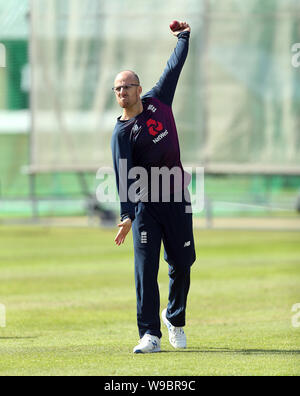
134,75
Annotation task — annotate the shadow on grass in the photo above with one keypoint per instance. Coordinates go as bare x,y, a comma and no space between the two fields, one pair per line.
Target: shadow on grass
239,351
17,338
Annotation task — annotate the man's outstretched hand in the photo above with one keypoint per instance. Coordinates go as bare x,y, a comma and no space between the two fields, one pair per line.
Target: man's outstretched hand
125,227
183,27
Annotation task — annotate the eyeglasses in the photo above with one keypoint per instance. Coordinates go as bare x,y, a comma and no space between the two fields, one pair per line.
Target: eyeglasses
126,87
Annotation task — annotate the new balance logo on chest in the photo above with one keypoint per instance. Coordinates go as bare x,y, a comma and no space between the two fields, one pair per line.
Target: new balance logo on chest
152,108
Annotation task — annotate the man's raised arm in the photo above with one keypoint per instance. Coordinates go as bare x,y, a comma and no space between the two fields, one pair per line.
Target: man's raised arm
166,87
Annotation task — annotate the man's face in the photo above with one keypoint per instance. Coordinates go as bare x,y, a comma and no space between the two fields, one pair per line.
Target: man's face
127,90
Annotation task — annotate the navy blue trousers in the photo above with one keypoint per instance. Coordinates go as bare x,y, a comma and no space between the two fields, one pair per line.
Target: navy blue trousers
168,223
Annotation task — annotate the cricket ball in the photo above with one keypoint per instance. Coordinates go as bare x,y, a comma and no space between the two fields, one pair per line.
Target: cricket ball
175,25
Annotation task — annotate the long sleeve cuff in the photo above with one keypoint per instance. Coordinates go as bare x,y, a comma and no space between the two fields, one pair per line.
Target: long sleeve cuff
184,35
127,216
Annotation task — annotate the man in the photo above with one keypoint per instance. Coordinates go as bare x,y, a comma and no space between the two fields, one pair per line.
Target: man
146,137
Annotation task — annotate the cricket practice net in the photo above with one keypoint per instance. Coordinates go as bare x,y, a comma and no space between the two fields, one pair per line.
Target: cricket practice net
237,103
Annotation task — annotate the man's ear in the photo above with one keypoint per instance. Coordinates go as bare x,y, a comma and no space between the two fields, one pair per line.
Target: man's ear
140,90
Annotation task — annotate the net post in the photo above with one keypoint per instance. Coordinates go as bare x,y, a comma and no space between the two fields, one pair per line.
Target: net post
33,197
32,174
208,213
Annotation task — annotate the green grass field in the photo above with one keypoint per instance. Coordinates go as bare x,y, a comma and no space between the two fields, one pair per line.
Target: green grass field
70,302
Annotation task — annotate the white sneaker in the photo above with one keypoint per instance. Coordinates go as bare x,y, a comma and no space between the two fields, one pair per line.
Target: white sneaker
148,344
177,336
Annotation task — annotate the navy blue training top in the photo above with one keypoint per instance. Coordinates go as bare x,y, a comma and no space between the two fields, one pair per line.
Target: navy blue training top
150,139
